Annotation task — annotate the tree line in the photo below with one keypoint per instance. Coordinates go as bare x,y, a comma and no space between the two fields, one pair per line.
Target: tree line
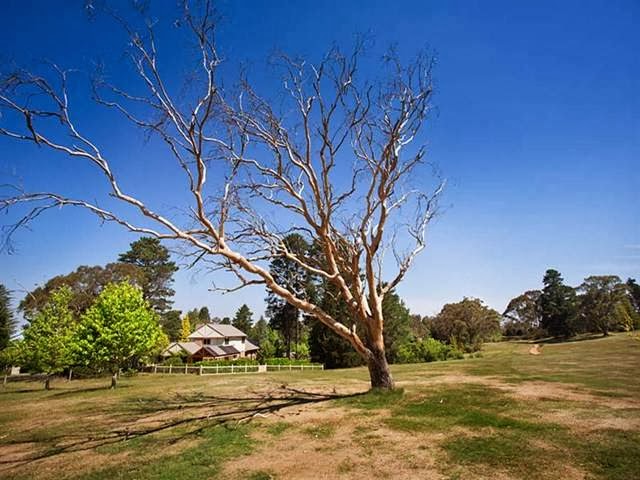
101,319
600,304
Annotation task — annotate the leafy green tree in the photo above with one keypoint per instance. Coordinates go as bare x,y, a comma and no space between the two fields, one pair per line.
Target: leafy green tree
258,330
171,323
523,315
243,319
466,324
48,340
118,329
7,320
633,290
154,260
271,345
397,325
225,321
85,284
558,306
604,304
10,355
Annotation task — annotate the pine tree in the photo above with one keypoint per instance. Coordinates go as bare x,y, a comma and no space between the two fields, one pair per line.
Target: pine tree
284,317
7,320
243,319
153,258
557,305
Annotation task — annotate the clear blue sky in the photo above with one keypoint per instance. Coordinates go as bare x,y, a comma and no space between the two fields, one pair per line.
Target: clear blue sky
538,132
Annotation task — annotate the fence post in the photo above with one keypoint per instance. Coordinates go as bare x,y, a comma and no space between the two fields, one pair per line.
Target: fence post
155,368
217,368
200,369
246,369
170,368
231,368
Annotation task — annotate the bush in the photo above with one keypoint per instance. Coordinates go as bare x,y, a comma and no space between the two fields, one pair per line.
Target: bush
288,361
427,350
175,360
228,363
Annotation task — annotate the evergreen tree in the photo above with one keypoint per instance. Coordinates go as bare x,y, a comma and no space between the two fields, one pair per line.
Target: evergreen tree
557,305
225,321
7,320
324,345
259,330
397,325
171,324
633,290
204,316
284,317
154,260
243,319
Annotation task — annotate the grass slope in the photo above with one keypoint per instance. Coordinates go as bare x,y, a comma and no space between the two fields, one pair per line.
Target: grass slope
572,412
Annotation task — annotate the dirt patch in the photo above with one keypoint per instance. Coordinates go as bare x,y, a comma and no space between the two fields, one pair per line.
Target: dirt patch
356,446
555,391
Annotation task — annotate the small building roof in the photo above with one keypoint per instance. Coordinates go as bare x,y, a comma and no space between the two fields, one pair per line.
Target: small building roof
216,330
250,347
228,330
177,348
220,350
205,331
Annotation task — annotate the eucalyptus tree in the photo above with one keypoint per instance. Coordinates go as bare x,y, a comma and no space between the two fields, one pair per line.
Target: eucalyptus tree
334,156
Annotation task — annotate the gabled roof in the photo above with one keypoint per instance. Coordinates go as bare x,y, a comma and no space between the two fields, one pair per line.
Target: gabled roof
250,347
216,330
177,348
228,330
206,331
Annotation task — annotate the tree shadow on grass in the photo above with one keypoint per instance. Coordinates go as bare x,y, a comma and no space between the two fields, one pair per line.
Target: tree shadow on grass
182,415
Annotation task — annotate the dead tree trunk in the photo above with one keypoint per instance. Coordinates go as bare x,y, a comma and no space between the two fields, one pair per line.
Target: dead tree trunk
47,382
114,381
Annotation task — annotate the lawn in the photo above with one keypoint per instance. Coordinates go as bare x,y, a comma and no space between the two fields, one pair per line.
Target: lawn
572,413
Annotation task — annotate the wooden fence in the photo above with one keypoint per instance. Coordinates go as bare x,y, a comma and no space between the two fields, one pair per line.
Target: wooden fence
226,369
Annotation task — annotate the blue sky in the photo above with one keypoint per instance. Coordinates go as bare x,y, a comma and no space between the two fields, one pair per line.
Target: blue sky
537,131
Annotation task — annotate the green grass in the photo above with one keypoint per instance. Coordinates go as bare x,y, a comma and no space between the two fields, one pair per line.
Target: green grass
214,446
471,428
278,428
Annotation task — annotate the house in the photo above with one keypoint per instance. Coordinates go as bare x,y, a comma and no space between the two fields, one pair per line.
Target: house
213,341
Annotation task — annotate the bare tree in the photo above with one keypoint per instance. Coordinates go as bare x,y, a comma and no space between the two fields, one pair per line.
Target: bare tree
332,162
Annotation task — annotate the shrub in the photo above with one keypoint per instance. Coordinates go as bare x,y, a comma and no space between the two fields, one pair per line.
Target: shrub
228,363
427,350
288,361
175,360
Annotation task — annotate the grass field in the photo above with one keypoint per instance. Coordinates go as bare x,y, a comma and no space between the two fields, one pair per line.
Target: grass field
571,413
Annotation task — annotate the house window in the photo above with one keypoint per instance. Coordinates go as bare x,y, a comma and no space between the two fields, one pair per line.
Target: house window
226,340
207,341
